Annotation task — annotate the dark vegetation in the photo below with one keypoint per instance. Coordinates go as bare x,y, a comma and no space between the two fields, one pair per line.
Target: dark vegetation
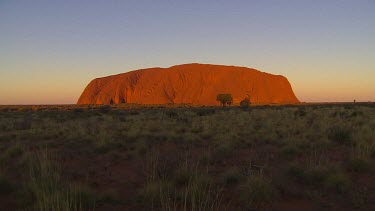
245,102
129,157
224,99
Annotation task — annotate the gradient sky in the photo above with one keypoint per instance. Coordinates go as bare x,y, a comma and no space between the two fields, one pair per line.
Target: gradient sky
50,50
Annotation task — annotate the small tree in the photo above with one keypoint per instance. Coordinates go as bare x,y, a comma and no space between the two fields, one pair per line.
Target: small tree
224,99
245,102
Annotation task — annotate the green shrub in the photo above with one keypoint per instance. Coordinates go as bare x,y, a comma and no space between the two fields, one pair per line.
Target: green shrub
223,151
321,176
295,172
199,194
84,196
338,182
301,112
205,111
50,191
134,112
340,135
257,192
183,176
359,165
13,151
150,194
141,147
245,103
105,109
224,99
311,176
290,151
316,175
195,194
78,110
107,197
232,176
171,113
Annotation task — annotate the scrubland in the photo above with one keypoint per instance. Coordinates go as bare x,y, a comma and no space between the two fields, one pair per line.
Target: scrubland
305,157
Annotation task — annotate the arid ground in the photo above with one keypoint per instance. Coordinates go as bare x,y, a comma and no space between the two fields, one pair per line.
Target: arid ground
305,157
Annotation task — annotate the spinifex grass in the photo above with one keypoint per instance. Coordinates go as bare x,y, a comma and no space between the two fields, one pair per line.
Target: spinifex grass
49,189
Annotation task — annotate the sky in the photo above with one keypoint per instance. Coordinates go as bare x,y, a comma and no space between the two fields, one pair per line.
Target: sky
50,50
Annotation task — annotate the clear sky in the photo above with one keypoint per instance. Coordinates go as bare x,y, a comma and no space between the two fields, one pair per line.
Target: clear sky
50,50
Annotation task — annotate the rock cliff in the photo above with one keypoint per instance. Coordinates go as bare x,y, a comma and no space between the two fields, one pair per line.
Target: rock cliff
196,84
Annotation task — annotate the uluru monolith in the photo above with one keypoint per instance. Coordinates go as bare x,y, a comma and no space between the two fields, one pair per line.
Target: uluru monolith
196,84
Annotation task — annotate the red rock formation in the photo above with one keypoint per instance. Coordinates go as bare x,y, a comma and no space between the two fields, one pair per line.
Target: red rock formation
189,83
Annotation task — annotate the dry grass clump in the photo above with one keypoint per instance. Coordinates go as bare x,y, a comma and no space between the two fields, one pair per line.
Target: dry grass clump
184,188
186,158
50,191
257,192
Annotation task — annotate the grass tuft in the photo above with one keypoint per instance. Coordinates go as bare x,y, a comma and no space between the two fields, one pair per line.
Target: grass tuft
257,192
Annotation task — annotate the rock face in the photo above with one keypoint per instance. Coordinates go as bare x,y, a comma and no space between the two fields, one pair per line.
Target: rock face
197,84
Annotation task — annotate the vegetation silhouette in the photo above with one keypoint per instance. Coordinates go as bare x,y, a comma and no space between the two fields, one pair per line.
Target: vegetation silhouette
224,99
245,102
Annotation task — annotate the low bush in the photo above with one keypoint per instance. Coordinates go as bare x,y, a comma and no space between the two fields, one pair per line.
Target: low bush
78,110
151,194
245,103
171,113
191,190
50,191
341,135
105,109
222,151
291,151
301,112
205,111
359,165
257,192
337,181
232,176
11,152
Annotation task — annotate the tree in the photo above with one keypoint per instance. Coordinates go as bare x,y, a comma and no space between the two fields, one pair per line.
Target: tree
224,99
245,102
